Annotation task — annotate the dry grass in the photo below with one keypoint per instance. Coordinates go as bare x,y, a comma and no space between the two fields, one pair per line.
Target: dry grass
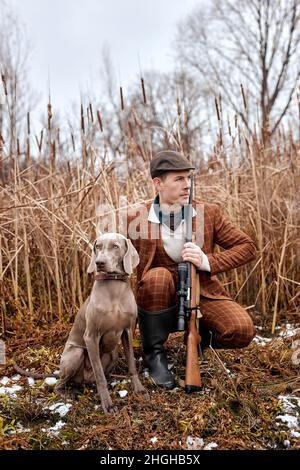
48,219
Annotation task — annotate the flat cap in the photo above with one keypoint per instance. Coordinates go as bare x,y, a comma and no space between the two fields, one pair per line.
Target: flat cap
168,160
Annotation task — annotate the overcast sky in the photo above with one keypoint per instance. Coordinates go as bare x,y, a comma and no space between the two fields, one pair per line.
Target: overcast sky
68,35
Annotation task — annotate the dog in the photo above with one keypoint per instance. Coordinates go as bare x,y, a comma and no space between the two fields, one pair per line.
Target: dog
107,317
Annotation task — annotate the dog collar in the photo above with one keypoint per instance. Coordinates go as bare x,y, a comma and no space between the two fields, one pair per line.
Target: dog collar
111,277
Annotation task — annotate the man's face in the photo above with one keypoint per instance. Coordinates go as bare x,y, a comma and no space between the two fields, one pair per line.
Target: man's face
175,188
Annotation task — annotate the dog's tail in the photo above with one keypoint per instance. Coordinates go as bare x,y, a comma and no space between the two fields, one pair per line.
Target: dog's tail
34,375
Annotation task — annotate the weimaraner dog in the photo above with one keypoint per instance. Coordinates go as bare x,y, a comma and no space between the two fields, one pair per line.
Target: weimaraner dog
106,317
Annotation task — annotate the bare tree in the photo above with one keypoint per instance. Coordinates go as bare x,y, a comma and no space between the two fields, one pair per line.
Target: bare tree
14,54
253,43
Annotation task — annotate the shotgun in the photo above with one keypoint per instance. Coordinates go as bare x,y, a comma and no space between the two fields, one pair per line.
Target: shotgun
189,296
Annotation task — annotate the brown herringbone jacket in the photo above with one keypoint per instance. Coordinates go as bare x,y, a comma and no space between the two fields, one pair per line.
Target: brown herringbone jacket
238,247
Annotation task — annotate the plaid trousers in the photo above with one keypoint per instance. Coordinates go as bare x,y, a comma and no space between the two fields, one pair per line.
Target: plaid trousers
157,291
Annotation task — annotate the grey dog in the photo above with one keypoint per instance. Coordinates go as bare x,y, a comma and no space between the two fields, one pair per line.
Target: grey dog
106,318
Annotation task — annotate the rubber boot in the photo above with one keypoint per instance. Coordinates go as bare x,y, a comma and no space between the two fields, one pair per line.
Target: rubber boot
209,338
155,328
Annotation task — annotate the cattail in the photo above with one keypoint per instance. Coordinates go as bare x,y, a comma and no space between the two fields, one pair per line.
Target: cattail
73,142
99,120
244,98
53,151
185,119
28,123
91,112
178,105
4,84
41,140
217,109
122,100
49,113
228,125
130,130
143,90
82,119
18,147
28,150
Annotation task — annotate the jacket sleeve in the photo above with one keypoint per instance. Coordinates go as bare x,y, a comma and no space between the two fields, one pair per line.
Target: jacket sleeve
239,248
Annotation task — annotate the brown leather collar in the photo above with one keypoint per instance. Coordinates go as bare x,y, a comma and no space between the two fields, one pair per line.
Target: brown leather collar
111,277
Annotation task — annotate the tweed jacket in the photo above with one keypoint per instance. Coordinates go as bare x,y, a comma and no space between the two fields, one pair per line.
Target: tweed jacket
210,227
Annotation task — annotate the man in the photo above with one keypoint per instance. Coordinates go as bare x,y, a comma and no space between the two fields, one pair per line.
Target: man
224,323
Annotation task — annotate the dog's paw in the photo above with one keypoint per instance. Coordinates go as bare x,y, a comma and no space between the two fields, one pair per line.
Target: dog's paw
112,410
107,404
139,388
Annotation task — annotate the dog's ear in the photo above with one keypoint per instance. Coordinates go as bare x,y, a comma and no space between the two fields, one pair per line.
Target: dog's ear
131,258
92,266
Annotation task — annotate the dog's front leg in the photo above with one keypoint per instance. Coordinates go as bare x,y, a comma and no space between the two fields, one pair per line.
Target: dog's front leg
92,343
128,351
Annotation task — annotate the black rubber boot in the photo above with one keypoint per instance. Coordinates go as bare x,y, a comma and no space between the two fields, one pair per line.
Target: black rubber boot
155,328
210,338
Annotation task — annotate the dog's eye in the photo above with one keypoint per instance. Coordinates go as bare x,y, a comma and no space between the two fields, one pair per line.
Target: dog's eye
115,245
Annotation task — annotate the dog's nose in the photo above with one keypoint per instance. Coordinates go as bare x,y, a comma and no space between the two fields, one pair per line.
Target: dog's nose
100,263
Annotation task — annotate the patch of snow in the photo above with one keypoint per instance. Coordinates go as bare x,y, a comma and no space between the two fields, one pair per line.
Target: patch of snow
286,443
61,408
55,429
146,374
114,383
31,381
4,380
16,377
261,340
50,381
210,446
19,428
290,402
291,405
11,391
291,421
122,393
194,443
154,439
288,330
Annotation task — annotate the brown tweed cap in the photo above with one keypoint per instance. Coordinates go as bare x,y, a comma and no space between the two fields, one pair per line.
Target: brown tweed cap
168,160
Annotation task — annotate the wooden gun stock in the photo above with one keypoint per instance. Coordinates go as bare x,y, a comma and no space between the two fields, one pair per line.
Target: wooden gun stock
192,371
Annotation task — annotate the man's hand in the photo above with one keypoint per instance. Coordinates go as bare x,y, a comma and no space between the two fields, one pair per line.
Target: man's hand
193,253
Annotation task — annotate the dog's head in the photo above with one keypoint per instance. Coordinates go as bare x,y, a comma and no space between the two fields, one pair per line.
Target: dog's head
113,253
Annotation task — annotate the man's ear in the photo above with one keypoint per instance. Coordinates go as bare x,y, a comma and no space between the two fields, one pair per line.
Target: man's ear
131,258
92,266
